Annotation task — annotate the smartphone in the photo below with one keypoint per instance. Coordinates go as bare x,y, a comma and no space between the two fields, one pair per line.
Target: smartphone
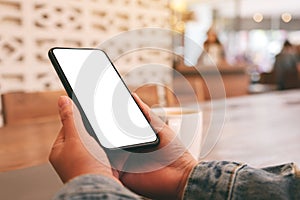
108,110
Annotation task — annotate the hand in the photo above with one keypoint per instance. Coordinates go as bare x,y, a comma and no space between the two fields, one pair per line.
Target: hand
161,175
69,155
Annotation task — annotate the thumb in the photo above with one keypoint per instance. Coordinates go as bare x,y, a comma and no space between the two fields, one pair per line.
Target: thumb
66,113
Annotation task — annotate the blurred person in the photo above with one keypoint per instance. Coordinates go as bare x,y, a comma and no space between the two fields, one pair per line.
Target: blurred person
285,67
213,52
86,177
298,56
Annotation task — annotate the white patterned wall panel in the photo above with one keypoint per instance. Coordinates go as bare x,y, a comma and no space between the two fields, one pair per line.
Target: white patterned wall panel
29,28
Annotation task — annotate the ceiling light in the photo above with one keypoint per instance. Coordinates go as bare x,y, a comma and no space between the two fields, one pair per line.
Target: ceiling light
286,17
258,17
178,5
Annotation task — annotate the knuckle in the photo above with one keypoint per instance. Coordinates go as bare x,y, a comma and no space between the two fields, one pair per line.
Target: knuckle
66,113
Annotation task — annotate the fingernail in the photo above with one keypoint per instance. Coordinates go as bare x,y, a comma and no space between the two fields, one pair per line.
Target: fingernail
63,101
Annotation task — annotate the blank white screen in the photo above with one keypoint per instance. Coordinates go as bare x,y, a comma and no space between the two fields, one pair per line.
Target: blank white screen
113,114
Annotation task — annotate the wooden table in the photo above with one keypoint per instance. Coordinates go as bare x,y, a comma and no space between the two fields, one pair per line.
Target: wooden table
27,144
260,130
25,172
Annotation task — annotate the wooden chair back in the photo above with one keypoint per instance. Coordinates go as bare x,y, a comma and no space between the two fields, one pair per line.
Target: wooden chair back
155,95
24,107
185,95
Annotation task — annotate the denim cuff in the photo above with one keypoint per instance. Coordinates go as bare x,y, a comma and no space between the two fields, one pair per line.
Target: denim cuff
93,186
231,180
212,180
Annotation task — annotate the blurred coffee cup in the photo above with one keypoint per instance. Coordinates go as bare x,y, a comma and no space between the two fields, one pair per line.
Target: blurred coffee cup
186,123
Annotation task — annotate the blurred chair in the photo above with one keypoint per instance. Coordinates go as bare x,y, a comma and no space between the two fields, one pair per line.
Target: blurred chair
158,95
155,95
267,83
31,125
189,94
23,107
198,86
268,78
153,83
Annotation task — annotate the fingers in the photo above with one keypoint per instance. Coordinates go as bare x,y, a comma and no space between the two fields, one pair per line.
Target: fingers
144,107
67,116
155,121
164,132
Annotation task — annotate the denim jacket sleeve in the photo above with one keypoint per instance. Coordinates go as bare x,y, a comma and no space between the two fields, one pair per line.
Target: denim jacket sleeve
231,180
94,187
208,180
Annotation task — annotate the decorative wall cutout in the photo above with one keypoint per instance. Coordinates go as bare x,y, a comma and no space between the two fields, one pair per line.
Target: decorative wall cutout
29,28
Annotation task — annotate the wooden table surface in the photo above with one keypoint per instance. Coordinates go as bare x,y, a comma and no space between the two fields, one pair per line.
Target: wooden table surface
27,144
260,130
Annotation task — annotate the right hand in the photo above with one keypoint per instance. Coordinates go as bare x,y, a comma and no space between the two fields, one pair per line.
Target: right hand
161,175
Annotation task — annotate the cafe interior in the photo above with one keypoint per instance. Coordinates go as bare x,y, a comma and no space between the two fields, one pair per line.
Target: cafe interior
235,61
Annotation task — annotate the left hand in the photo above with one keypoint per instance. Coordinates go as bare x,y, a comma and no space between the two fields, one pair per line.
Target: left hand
69,156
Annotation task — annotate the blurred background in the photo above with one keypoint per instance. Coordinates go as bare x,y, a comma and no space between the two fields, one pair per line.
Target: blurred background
241,37
222,48
248,35
250,31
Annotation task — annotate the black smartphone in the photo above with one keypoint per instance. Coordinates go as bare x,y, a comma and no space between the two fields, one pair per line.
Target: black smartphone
109,111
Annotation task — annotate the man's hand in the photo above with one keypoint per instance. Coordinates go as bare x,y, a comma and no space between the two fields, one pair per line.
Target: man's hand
161,175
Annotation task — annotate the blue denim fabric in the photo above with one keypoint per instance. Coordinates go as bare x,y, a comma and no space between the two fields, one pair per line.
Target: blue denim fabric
208,180
230,180
94,187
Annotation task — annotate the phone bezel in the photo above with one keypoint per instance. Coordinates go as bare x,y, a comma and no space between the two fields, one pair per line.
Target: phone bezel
85,120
